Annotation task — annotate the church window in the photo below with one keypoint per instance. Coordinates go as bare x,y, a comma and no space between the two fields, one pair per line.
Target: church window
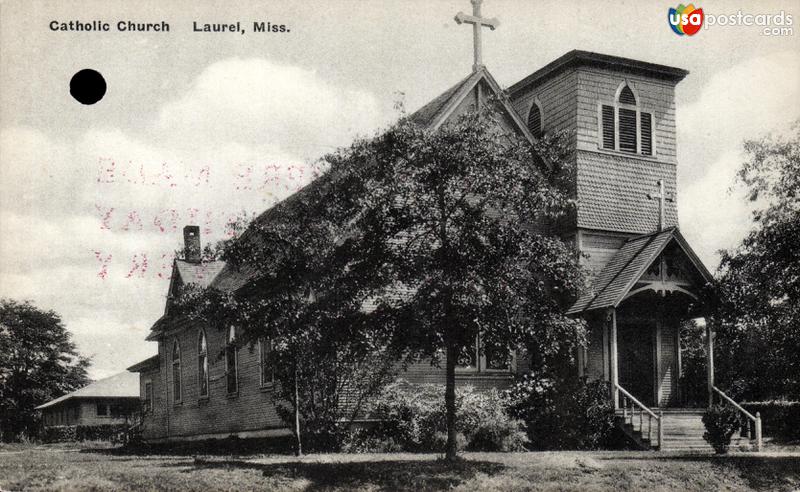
624,127
176,372
147,404
202,363
481,357
535,120
265,361
231,362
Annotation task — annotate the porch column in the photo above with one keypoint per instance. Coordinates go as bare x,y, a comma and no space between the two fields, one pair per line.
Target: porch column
710,363
614,360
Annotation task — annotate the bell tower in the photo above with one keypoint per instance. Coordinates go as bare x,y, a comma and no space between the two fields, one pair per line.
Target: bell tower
619,115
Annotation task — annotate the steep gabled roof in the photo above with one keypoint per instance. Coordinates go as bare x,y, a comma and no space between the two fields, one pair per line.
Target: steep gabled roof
201,273
627,267
432,115
438,111
122,385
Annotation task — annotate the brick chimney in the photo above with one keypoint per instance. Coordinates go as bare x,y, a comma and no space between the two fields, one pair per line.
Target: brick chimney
191,243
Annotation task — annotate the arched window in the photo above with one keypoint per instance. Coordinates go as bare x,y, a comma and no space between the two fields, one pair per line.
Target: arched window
176,371
624,126
231,362
535,120
202,363
626,116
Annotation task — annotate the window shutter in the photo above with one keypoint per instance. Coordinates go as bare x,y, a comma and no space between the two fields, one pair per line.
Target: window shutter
608,127
627,130
647,134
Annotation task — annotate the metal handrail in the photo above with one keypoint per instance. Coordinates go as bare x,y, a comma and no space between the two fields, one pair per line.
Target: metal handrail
755,418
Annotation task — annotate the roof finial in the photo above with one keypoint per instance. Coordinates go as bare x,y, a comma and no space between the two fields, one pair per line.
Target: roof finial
477,22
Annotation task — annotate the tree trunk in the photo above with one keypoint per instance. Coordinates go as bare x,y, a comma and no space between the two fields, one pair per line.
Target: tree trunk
451,450
299,448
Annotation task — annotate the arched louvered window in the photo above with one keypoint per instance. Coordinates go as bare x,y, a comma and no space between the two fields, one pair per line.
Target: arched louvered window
535,120
626,96
202,364
231,362
626,117
176,371
624,126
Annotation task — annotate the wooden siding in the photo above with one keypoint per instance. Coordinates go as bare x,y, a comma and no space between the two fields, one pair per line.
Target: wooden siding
595,361
598,248
252,408
599,86
558,100
83,412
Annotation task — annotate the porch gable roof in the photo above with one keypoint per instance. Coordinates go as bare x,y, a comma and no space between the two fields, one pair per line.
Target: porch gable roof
628,265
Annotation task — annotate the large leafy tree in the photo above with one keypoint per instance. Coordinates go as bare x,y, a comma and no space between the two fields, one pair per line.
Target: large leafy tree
38,362
759,323
410,245
457,224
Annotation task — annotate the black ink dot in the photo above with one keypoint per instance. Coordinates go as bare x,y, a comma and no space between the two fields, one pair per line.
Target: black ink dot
87,86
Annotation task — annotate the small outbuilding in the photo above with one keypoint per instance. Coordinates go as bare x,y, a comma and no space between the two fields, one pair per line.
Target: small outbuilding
113,400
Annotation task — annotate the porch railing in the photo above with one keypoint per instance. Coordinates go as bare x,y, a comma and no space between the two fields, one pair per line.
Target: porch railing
756,419
631,405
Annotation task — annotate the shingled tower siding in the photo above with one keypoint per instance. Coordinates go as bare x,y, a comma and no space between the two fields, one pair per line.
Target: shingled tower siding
611,185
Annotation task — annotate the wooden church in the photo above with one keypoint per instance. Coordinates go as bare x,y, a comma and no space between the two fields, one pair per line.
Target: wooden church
619,114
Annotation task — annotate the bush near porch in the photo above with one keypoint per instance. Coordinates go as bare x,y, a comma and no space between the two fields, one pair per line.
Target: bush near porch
568,413
412,418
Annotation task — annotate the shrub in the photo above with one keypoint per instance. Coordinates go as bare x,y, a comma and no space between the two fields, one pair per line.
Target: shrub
780,419
563,414
412,418
58,433
721,422
70,433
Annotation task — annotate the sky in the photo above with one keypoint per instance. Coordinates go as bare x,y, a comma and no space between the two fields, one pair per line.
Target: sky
203,127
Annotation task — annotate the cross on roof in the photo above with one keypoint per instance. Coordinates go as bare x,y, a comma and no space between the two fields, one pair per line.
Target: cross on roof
477,22
662,198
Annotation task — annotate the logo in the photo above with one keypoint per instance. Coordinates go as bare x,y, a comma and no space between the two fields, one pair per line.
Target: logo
685,19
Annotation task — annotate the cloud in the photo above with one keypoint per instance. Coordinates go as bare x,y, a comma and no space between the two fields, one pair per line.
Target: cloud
257,101
746,101
242,137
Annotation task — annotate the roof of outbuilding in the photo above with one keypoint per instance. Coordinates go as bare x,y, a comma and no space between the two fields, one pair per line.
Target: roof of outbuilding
122,385
147,364
628,265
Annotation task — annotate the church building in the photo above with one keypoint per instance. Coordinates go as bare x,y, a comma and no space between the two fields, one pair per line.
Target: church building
619,115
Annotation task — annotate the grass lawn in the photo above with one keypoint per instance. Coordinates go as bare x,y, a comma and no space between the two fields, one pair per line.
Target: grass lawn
82,467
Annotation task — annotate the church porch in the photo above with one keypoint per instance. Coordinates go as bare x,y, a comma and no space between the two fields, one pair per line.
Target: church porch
652,285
